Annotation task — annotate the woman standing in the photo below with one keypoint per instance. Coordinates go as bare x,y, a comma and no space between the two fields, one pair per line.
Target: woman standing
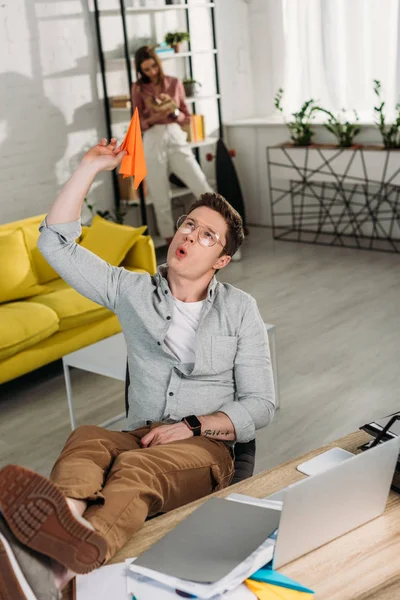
160,100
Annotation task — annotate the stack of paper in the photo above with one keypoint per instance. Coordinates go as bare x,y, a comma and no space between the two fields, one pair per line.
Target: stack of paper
118,583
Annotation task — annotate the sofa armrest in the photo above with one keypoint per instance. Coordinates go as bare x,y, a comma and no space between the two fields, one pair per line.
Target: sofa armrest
142,255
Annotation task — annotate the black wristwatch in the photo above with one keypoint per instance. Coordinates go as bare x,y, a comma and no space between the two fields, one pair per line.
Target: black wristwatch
193,423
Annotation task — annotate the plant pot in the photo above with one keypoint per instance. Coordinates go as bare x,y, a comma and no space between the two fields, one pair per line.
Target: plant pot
177,47
190,89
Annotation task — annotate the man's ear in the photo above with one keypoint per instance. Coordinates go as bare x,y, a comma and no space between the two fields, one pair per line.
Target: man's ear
222,262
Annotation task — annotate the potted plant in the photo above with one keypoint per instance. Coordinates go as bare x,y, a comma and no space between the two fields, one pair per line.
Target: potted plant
190,87
390,133
342,129
300,127
117,216
175,39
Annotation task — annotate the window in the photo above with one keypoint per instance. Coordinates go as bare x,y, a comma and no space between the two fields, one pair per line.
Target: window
333,49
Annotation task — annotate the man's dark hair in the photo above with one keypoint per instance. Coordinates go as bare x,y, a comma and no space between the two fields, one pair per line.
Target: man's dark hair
235,233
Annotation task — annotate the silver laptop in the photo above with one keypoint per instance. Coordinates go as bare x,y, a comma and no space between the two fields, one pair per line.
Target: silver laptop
325,506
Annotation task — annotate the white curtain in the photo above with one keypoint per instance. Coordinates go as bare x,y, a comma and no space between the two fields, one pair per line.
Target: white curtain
333,49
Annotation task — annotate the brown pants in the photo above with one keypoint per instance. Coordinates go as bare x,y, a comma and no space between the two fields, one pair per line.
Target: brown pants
125,483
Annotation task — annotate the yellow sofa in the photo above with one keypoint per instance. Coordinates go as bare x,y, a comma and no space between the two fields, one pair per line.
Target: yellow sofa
39,329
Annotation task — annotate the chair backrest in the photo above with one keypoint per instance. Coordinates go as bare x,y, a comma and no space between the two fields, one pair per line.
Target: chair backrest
245,453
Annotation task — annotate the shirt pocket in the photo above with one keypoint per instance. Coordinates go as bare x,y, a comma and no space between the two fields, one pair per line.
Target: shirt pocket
223,352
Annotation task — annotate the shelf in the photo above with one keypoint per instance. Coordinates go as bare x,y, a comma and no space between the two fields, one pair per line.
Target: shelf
188,100
192,99
186,54
168,57
144,10
207,142
176,192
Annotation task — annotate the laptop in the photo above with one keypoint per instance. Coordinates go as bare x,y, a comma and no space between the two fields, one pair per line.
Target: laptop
325,506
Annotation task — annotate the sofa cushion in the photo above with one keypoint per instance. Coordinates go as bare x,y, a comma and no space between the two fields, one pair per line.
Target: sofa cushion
57,284
44,271
24,324
109,240
72,308
17,276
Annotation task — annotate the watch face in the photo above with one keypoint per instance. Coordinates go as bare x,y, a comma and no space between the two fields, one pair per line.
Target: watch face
193,421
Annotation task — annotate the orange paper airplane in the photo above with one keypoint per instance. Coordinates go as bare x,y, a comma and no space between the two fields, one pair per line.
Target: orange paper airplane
134,164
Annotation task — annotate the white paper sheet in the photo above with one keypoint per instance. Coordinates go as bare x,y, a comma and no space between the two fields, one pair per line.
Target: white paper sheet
106,583
115,582
142,588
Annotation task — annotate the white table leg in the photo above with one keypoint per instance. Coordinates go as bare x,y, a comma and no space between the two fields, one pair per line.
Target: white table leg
274,362
69,396
112,420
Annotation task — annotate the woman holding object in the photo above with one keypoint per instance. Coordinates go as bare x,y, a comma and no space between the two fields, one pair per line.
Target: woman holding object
160,100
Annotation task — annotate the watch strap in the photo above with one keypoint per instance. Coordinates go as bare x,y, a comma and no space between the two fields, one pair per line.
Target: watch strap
193,423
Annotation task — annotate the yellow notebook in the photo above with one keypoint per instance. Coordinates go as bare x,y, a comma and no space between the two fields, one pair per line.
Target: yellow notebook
266,591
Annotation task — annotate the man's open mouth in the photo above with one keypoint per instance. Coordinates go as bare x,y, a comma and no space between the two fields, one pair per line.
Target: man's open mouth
181,252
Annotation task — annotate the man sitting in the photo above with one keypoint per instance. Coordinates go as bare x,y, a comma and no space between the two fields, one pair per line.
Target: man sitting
200,379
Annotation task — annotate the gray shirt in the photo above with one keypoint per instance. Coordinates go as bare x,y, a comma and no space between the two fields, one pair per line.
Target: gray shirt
232,370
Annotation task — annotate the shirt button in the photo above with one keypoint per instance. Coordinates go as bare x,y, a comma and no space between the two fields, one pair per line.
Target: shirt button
168,318
171,394
158,343
166,292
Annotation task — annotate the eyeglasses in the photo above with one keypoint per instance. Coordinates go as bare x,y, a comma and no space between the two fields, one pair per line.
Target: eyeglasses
206,236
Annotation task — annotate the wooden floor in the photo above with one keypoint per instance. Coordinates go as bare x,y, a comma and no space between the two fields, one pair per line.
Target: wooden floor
337,313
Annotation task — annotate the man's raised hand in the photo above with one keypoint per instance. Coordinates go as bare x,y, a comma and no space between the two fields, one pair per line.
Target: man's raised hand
104,156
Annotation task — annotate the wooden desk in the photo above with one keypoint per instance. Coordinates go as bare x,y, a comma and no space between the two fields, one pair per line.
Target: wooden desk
361,565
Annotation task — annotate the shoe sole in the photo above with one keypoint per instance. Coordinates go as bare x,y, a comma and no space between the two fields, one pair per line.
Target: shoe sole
38,514
13,585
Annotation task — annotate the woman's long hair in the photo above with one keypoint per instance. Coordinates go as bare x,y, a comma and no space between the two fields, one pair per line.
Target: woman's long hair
142,54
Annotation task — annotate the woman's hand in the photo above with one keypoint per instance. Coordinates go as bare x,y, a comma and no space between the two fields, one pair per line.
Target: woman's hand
104,156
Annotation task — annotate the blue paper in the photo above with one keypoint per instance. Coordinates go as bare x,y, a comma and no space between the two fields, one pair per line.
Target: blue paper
268,575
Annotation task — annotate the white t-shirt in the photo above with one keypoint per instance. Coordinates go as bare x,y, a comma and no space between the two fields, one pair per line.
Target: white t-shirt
181,335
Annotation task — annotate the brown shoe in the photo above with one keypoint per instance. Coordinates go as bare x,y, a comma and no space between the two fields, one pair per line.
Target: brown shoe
38,514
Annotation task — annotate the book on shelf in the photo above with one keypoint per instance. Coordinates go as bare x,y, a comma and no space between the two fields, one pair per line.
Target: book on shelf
129,196
195,129
163,49
120,102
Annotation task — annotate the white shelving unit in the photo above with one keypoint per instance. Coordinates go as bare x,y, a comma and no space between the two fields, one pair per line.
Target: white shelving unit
155,9
109,63
209,141
173,56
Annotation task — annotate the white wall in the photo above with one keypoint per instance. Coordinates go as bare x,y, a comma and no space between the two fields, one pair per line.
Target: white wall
250,60
235,68
50,108
51,104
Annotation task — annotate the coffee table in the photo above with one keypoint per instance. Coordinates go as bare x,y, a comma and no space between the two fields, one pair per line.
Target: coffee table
107,357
